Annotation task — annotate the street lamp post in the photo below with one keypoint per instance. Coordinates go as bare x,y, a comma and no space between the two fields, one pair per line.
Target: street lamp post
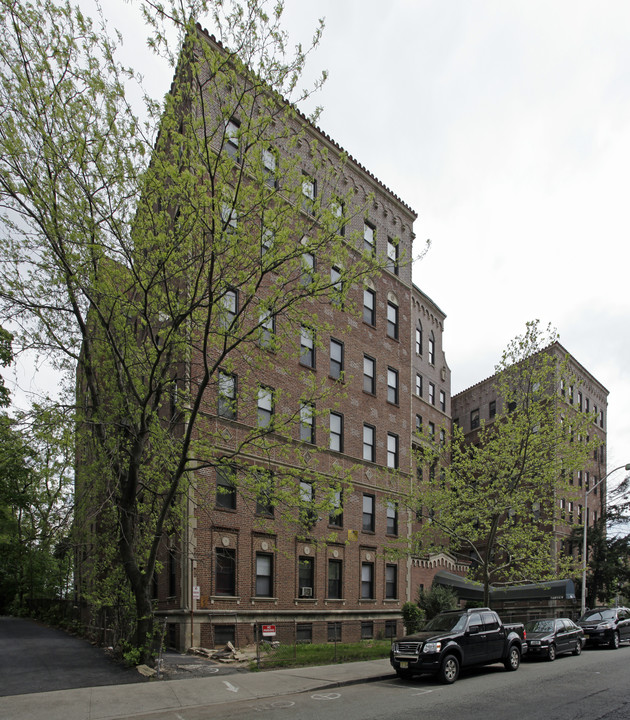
585,518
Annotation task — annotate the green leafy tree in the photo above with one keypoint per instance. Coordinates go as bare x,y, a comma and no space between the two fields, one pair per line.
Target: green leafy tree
35,483
159,260
436,600
413,617
608,547
494,501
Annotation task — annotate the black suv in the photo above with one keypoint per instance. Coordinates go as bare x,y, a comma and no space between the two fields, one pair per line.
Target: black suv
606,626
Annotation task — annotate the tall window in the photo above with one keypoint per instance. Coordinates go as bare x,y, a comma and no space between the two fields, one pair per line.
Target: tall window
172,573
226,488
368,513
442,401
392,320
432,348
225,571
267,240
369,375
307,347
227,396
337,284
392,518
474,418
306,576
492,409
369,238
392,450
336,432
418,385
336,359
367,580
264,575
392,255
392,386
307,422
229,218
270,163
369,451
308,516
336,514
231,138
337,210
369,306
265,406
228,308
334,580
308,269
264,493
418,423
391,582
267,329
419,338
432,393
309,192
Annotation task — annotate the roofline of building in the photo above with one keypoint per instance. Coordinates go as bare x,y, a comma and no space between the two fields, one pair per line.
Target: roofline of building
548,347
333,143
415,288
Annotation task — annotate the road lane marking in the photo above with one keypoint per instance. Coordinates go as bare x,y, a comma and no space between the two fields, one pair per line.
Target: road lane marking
230,687
326,696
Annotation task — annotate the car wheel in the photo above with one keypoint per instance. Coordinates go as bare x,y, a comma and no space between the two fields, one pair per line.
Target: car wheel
404,674
614,642
513,659
578,647
551,653
449,669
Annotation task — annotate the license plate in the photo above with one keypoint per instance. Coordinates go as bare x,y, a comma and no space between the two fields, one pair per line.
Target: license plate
404,664
586,636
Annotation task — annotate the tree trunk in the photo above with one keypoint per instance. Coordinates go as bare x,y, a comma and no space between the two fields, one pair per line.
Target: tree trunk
144,624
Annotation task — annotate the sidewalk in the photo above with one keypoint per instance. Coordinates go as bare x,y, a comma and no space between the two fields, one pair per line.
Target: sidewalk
124,701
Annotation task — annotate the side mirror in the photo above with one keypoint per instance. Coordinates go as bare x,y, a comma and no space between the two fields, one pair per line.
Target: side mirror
474,629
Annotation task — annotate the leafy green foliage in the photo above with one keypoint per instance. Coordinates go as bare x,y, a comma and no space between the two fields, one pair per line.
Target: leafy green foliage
151,259
35,482
608,547
494,501
413,617
436,600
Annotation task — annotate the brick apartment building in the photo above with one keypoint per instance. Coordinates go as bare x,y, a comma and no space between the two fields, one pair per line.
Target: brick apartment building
344,574
238,565
480,403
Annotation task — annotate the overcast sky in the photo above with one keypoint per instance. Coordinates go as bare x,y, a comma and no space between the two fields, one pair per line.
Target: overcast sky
506,127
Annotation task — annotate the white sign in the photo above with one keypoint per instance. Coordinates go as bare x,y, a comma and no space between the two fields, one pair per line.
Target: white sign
196,592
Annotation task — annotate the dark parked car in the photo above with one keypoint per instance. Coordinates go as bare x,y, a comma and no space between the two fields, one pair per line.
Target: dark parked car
606,626
549,637
458,638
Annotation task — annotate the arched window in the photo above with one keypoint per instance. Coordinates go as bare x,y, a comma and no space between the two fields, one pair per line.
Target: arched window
419,338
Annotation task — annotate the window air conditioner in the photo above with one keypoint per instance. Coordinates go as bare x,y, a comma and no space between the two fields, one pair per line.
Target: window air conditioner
307,591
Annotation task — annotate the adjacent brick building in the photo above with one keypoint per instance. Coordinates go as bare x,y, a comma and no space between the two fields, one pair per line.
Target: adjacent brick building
481,404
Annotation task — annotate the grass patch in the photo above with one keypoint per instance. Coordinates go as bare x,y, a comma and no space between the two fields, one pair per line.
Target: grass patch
305,654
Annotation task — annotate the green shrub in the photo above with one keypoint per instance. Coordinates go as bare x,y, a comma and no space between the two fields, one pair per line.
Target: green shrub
437,600
413,617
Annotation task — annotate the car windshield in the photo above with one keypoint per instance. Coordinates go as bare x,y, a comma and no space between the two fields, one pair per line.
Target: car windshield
597,615
539,626
447,623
